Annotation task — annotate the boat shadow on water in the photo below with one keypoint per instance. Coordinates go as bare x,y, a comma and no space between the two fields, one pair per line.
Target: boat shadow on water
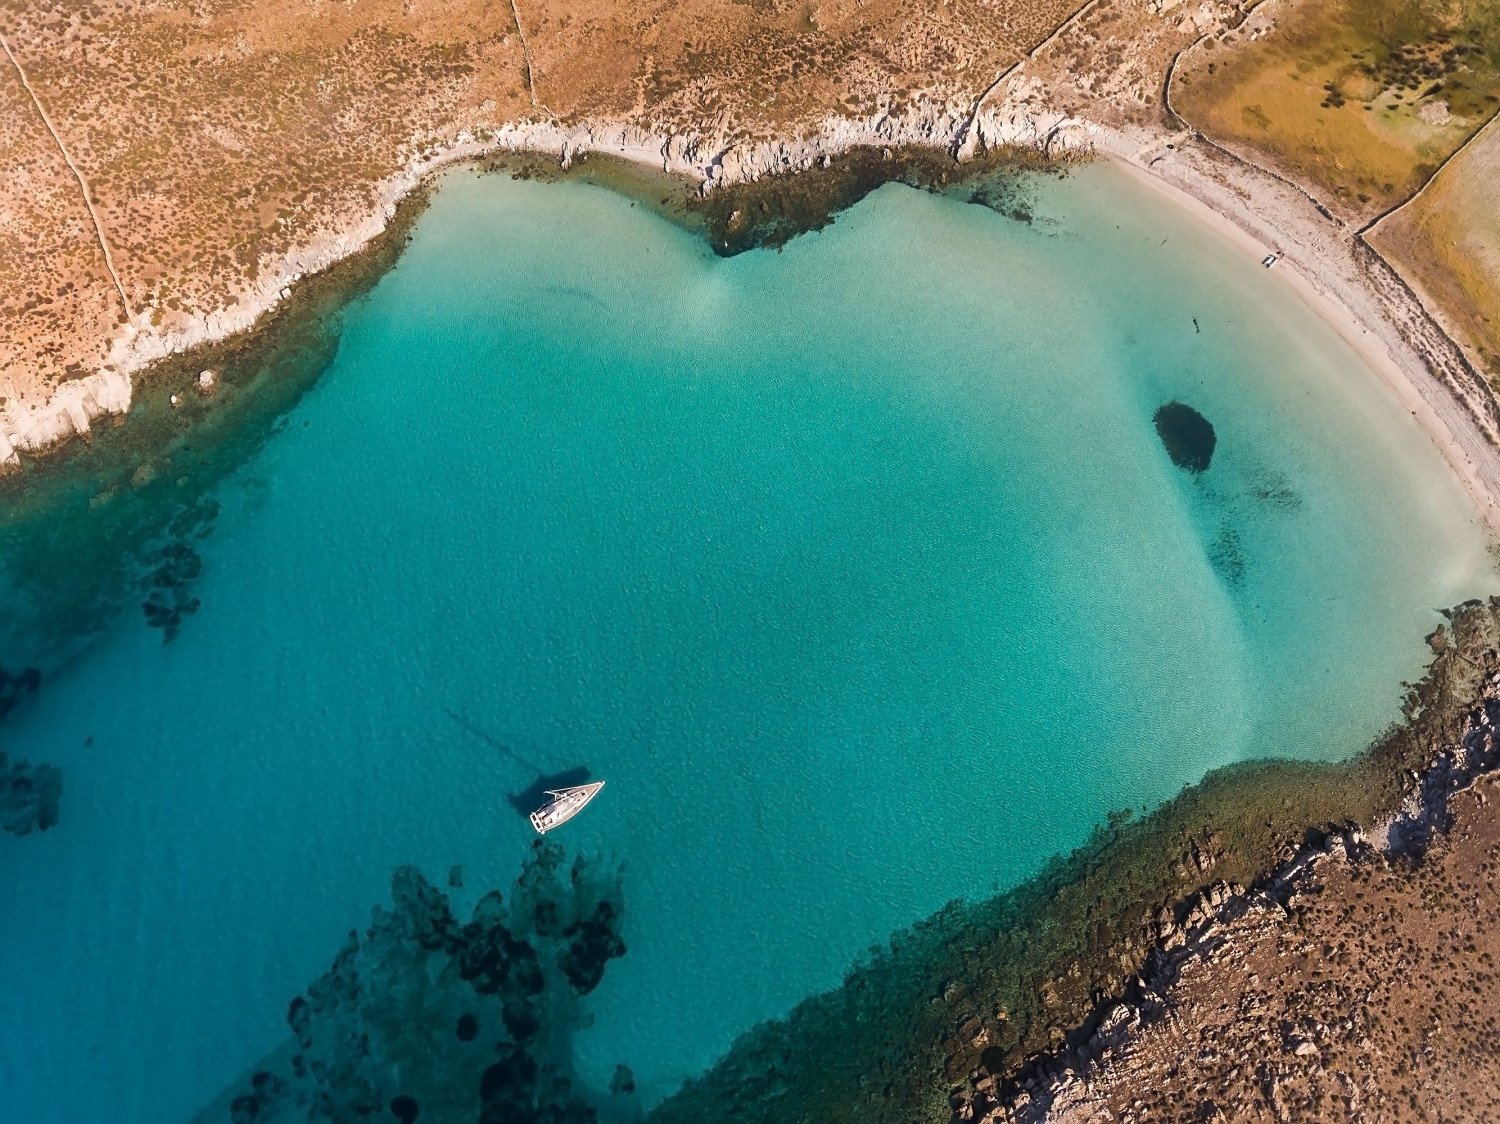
534,795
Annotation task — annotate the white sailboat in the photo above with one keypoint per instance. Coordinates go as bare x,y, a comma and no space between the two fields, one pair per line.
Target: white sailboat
564,805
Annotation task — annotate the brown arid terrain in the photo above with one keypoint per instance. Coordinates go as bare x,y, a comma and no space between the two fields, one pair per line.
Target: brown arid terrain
1355,982
227,148
1448,241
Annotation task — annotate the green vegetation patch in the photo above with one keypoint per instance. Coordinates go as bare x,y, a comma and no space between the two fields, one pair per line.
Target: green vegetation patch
1361,99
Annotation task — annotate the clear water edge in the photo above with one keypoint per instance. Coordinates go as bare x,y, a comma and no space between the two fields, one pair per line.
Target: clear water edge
870,517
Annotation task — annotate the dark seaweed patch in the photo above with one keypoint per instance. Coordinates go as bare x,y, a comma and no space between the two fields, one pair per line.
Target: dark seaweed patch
1187,436
1227,556
170,601
436,1018
771,211
1275,492
14,688
29,796
1009,196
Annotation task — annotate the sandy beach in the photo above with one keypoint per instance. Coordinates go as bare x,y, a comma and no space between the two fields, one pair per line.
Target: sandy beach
1308,268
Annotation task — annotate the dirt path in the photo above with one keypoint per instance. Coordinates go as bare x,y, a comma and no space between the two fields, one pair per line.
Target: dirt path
525,53
83,186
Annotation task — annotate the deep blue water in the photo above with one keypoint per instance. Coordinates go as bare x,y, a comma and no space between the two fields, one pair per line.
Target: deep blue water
858,570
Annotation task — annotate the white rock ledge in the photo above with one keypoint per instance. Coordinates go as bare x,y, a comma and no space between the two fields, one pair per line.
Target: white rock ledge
712,159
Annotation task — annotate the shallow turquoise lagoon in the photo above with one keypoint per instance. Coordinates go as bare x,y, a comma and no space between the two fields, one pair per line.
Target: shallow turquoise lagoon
858,570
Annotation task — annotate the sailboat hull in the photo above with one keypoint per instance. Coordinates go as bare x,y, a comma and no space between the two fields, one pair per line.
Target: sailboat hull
564,805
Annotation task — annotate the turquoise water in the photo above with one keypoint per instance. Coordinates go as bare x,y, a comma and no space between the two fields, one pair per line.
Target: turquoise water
858,570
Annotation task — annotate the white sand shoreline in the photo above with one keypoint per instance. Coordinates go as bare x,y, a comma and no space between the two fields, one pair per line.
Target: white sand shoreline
1317,266
1301,274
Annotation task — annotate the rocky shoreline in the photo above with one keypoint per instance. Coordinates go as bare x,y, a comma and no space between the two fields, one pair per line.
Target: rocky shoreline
829,167
968,1006
1211,929
29,795
707,162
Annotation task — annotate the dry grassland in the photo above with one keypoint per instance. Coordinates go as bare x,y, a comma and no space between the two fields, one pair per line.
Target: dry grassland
1358,99
1448,241
219,134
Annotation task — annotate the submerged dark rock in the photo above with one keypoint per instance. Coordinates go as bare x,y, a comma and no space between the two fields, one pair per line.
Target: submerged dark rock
476,1018
29,795
595,944
1227,556
623,1082
170,601
1187,436
14,688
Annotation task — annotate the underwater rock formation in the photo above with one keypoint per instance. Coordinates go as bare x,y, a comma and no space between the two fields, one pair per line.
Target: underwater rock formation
173,567
426,1017
170,601
1187,436
15,688
29,795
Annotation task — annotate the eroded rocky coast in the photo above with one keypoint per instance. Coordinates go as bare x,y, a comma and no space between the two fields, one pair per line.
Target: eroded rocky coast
1014,1007
1354,980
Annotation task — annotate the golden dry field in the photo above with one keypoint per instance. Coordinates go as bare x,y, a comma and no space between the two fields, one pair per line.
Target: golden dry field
1358,99
1447,240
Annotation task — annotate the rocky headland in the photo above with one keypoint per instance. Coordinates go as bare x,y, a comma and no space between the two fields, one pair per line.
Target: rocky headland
976,1013
1354,980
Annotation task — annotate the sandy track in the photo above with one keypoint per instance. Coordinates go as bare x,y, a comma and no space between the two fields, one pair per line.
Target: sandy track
83,184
